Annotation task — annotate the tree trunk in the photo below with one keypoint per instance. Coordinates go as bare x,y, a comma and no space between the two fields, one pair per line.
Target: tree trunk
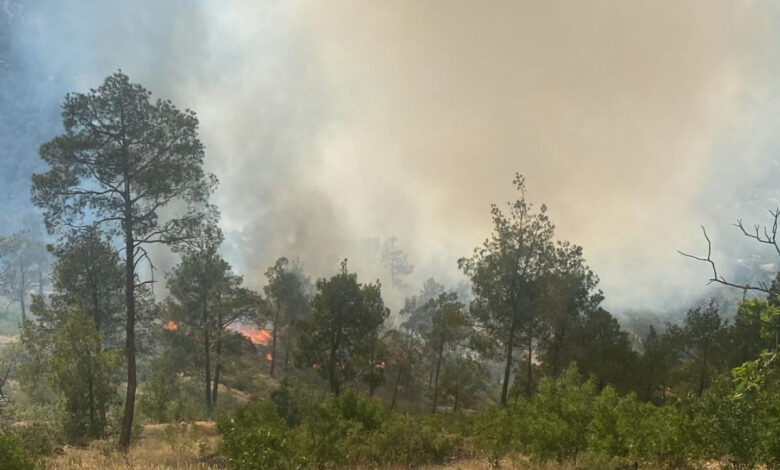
530,365
332,379
508,366
102,414
395,388
703,376
436,378
457,392
91,399
215,382
408,384
557,363
287,346
129,412
207,353
218,367
22,294
335,386
430,375
372,368
273,336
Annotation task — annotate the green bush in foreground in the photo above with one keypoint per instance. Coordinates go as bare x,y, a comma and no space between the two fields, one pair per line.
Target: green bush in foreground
345,431
256,437
13,455
567,422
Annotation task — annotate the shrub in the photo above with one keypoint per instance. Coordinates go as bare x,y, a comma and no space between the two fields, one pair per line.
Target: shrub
559,417
14,455
336,432
257,438
595,460
605,435
729,425
767,424
664,435
493,433
407,441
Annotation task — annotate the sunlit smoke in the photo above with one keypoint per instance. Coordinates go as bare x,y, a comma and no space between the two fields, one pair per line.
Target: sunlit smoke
333,125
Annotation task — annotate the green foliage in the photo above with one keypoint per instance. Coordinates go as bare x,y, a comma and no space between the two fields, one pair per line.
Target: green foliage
568,421
553,425
528,285
13,454
256,437
160,398
604,351
407,441
494,432
336,432
288,297
729,426
346,316
660,358
123,160
605,433
169,396
755,373
462,382
702,339
86,375
23,265
765,314
559,416
285,403
38,439
205,297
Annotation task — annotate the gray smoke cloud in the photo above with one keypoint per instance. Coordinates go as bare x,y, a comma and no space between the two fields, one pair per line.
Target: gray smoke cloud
335,125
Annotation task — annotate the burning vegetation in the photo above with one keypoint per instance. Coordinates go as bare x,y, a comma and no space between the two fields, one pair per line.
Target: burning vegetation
261,336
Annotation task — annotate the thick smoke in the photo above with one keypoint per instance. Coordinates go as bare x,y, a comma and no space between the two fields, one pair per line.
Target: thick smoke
335,125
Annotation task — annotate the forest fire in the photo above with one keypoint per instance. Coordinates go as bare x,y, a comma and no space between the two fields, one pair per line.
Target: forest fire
261,336
171,326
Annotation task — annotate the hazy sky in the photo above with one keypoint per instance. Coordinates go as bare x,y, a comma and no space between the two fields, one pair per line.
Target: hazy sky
332,125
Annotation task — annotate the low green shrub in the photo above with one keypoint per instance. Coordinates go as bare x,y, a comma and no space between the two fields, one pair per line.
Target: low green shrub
13,455
494,433
350,430
257,438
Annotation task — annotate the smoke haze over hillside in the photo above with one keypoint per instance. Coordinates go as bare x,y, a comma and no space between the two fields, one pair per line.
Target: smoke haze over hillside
335,125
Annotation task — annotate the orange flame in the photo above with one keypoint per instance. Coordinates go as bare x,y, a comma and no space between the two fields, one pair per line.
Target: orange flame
262,336
171,326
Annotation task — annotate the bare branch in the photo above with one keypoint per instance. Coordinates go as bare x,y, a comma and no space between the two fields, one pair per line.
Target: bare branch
769,236
762,287
151,281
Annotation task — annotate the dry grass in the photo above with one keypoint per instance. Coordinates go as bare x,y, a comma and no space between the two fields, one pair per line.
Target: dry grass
185,446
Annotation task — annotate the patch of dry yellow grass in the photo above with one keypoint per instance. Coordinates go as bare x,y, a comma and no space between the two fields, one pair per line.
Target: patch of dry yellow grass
185,446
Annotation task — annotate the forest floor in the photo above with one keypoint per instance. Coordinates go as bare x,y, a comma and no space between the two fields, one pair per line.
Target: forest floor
186,446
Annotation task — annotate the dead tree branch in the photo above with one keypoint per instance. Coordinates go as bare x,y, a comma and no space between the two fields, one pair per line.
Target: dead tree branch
762,287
